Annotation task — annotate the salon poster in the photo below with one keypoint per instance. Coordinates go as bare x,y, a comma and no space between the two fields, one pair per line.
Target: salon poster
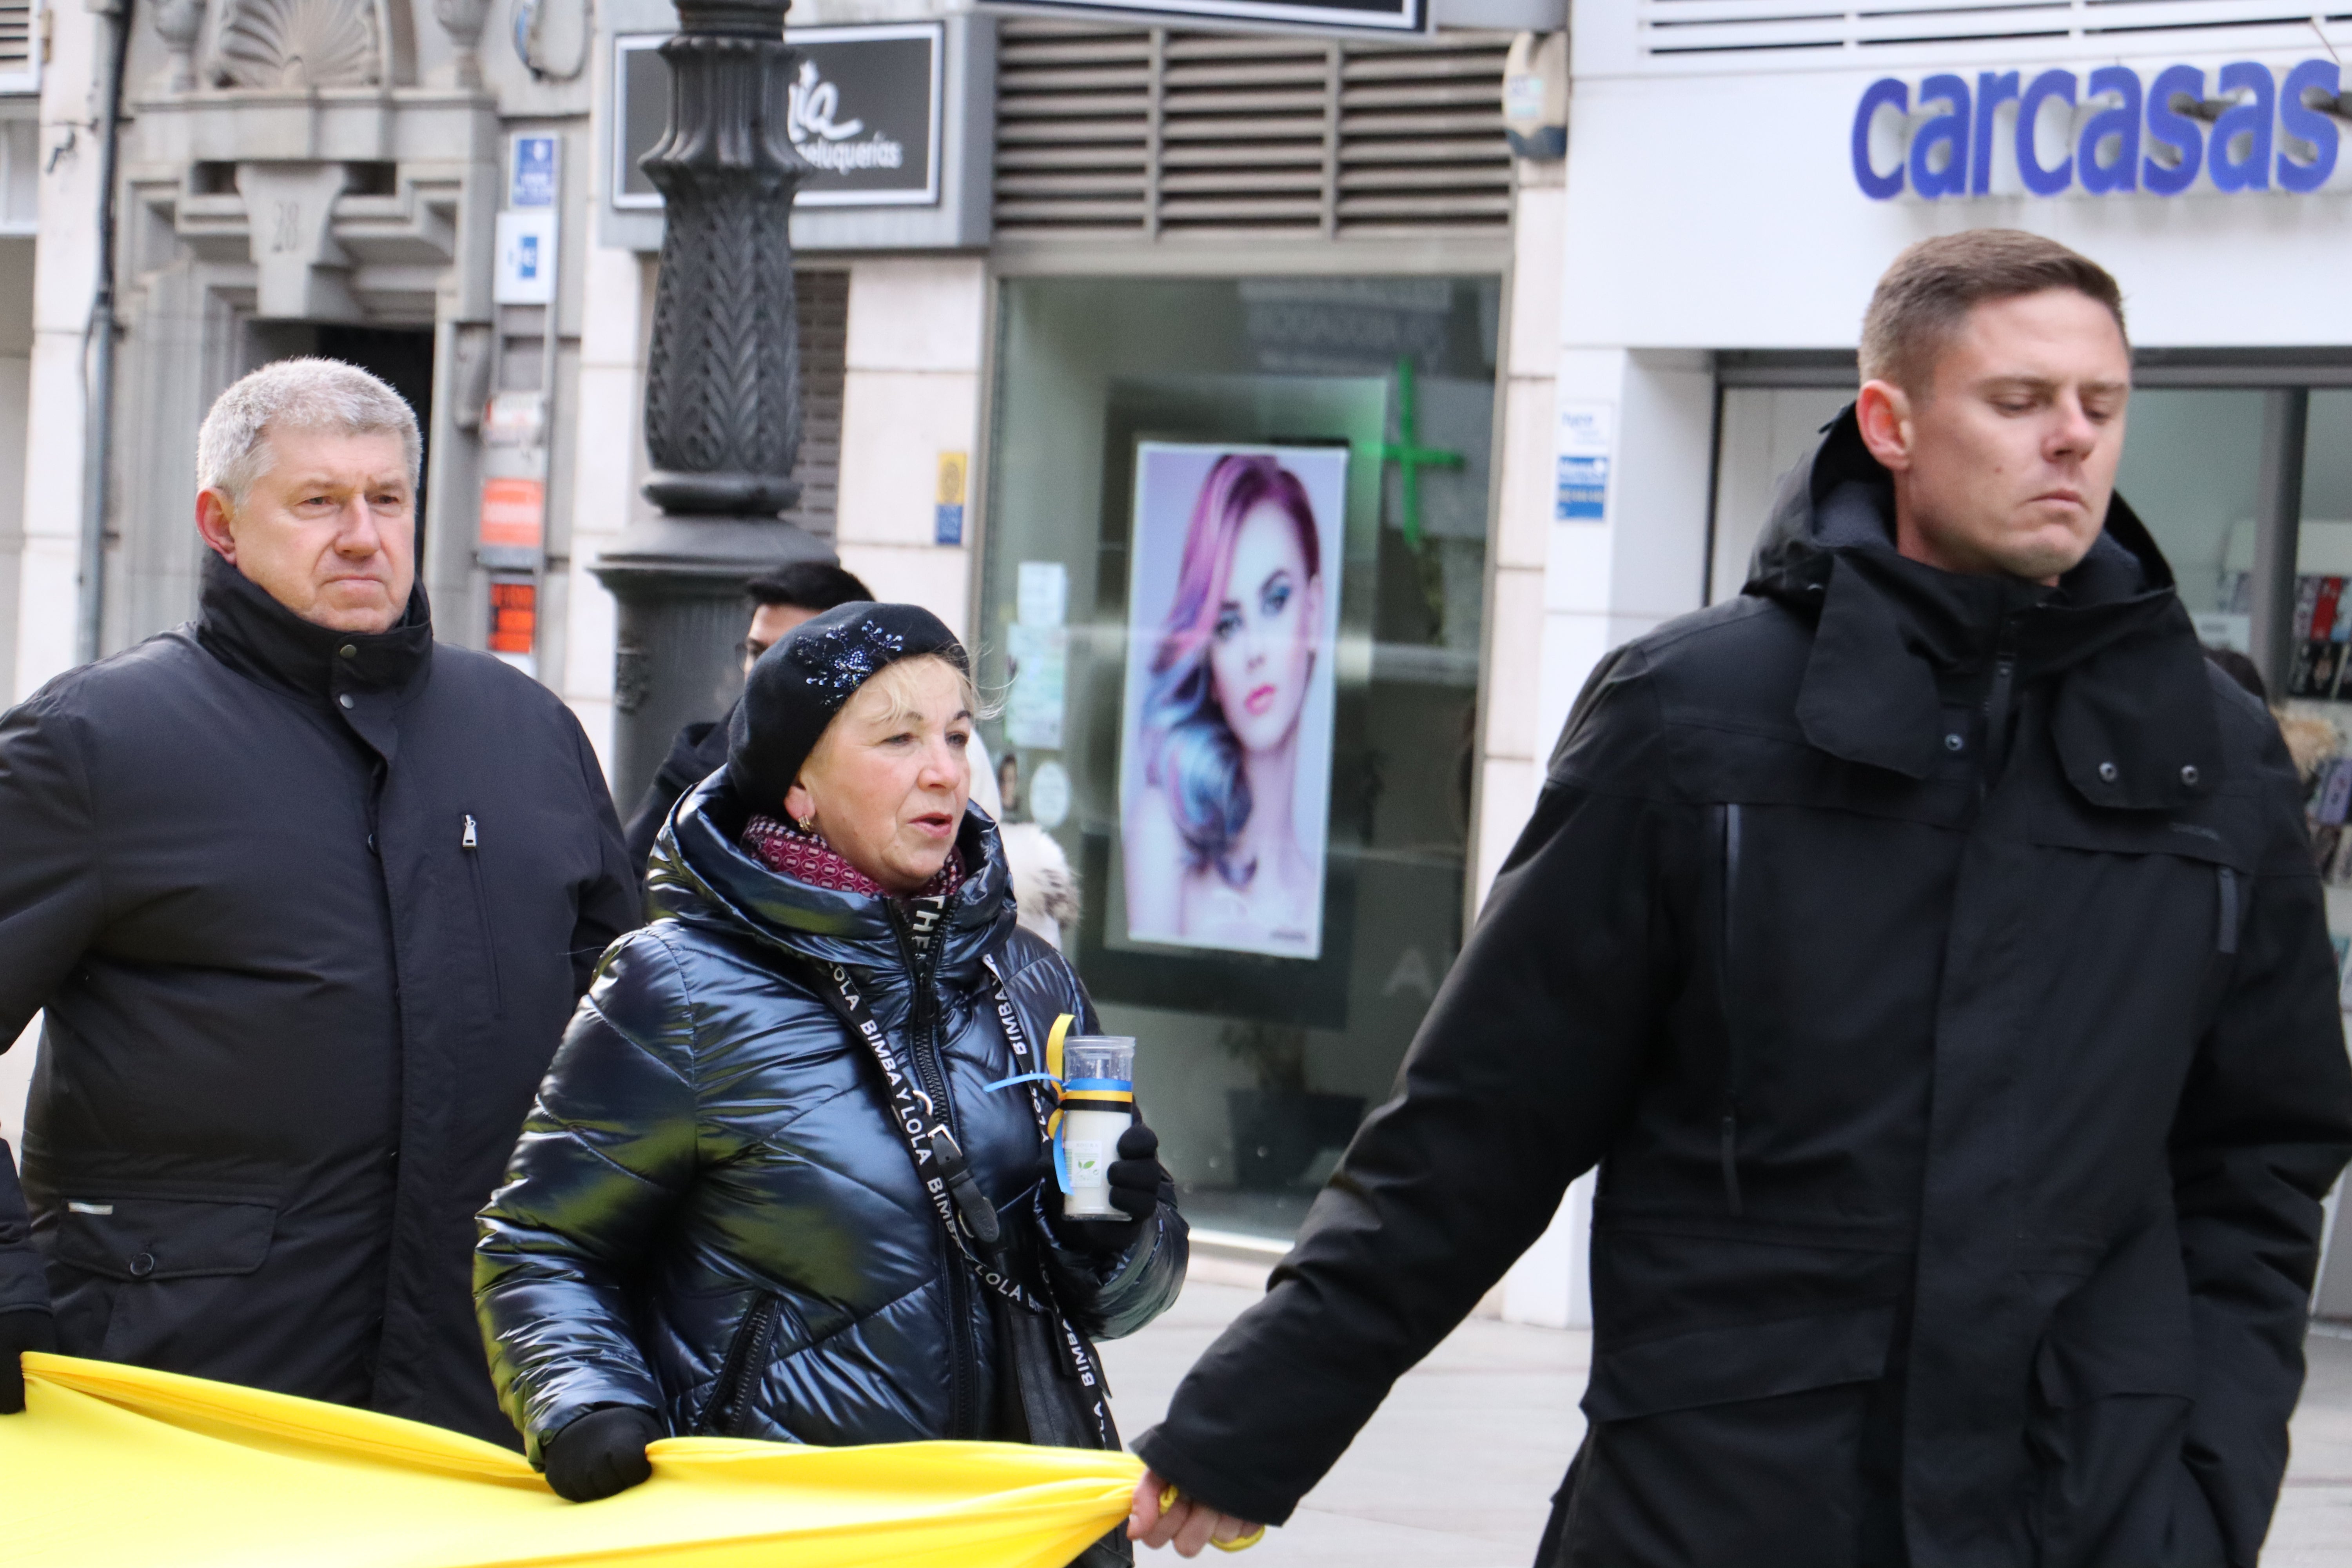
1225,731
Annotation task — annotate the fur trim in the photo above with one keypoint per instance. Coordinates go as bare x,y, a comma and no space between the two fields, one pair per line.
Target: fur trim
2310,741
1044,886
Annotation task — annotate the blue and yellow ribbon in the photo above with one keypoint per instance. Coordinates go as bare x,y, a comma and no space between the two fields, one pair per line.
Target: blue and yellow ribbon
1083,1091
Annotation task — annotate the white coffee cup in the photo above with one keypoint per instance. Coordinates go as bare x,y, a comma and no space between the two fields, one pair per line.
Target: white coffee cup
1095,1070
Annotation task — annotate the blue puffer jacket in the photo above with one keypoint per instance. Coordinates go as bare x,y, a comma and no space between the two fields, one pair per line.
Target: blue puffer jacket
709,1214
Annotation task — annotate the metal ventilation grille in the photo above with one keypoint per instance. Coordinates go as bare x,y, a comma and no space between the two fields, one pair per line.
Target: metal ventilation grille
15,38
1699,28
1129,133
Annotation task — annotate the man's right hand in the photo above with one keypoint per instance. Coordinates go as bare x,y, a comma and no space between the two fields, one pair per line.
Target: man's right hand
601,1453
1184,1523
27,1329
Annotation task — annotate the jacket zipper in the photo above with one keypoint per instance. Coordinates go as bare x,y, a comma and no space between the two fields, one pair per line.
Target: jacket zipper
1997,704
963,1364
729,1410
1734,1063
471,843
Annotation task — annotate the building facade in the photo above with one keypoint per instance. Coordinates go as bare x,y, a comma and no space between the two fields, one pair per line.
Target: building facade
1029,248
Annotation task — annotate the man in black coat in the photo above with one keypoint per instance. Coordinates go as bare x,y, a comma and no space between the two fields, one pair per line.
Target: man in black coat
1926,949
781,600
307,899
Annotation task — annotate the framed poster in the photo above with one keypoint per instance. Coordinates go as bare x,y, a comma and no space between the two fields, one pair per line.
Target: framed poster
1226,723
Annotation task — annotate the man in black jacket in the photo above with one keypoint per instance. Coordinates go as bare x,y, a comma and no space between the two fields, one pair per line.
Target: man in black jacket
781,600
1926,949
307,899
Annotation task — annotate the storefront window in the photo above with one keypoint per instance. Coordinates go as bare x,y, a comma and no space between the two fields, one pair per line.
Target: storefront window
2191,468
2319,694
1763,432
2323,559
1234,579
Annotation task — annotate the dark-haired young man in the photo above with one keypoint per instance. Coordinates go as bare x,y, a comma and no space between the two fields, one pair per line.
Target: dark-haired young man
781,600
1926,949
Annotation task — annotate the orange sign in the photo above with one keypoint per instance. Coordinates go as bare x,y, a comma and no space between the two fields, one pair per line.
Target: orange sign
514,615
513,512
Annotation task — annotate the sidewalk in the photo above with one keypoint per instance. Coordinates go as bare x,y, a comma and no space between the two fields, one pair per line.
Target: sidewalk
1458,1467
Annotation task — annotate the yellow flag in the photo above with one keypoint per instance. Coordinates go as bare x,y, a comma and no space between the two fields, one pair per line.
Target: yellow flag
117,1466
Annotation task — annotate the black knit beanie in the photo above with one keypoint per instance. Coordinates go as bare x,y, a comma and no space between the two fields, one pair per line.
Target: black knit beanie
796,686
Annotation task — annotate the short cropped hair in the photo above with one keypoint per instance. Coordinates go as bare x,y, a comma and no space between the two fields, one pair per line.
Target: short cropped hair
1923,298
817,585
232,448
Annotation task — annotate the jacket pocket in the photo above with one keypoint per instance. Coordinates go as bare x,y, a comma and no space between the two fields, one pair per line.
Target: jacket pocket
163,1238
729,1408
1738,1362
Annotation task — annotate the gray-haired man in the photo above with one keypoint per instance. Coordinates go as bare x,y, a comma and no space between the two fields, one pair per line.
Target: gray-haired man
308,898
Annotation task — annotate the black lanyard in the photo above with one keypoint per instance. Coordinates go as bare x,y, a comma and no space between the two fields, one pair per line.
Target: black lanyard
962,1210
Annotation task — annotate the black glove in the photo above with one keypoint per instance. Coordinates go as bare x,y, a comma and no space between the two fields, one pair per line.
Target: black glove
1134,1179
27,1329
601,1453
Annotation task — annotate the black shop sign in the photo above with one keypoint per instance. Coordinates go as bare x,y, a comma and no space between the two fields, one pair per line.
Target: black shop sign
865,114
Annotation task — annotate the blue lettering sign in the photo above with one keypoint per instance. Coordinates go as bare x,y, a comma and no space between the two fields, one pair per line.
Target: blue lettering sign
1884,93
1992,91
1940,152
2175,144
1582,490
2118,126
2050,87
2308,137
534,172
2241,137
1947,137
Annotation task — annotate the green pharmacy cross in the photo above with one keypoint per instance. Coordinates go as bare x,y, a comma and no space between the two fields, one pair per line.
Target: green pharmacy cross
1409,457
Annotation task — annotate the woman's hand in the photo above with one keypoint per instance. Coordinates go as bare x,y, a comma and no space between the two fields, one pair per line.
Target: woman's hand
1134,1179
1184,1523
601,1453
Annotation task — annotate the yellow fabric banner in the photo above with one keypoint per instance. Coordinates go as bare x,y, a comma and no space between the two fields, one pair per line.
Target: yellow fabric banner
116,1466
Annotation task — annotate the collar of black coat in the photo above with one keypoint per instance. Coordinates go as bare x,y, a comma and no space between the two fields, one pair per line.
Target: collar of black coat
240,624
701,874
2132,710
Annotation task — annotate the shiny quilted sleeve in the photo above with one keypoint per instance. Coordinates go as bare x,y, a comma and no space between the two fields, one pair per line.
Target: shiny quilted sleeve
609,1146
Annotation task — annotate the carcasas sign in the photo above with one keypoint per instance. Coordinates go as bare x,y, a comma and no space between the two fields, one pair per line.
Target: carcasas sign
2105,133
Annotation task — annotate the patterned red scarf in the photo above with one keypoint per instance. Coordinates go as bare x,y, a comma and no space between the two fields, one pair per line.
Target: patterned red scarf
804,858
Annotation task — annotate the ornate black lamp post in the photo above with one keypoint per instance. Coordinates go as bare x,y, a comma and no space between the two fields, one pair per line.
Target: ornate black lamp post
722,396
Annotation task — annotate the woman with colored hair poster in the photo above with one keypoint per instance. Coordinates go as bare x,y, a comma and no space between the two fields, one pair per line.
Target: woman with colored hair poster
1225,765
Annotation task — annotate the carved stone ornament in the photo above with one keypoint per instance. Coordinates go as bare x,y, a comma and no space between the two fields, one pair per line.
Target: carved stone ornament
462,20
178,22
299,44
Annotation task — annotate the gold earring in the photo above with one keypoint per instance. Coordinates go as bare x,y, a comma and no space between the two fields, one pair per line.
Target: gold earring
808,824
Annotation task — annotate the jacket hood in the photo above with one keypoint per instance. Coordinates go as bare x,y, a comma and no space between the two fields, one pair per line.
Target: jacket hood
240,624
2132,713
701,874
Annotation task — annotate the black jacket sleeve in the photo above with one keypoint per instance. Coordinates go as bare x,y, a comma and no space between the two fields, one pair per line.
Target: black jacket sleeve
2263,1129
699,751
50,910
611,902
607,1150
1519,1079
